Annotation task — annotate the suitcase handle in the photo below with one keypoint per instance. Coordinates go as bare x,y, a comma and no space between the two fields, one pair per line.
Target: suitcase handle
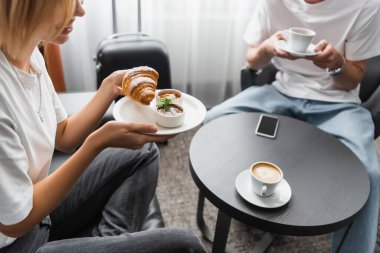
114,36
118,35
114,20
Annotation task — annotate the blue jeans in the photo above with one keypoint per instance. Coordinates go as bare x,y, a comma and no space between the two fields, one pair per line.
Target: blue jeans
350,123
105,210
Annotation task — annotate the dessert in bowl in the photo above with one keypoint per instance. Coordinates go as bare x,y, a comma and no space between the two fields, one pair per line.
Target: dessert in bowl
174,95
139,85
169,114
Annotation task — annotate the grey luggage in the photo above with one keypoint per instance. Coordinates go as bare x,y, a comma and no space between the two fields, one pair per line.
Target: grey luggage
124,51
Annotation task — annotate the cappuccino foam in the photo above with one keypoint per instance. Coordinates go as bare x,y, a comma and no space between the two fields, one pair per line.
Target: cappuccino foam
266,173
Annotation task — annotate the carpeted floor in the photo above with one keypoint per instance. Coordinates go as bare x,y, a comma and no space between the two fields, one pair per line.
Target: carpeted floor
178,197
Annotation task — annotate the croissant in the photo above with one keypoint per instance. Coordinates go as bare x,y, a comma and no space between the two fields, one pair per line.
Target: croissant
140,84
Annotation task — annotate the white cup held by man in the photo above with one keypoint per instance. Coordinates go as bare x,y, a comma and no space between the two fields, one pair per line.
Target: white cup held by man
265,178
299,39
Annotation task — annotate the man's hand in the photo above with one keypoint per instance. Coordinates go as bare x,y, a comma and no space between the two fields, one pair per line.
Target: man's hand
328,57
258,56
272,48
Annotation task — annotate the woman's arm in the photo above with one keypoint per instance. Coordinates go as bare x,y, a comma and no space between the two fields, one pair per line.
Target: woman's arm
49,192
73,131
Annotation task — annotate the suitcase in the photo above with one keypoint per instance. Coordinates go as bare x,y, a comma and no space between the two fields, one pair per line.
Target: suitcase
124,51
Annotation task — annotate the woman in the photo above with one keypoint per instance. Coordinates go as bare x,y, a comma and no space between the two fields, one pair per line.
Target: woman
96,201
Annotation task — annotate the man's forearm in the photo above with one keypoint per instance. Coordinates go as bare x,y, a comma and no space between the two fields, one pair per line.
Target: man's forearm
258,57
351,76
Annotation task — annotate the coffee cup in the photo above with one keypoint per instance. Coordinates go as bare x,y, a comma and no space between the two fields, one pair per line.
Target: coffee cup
265,178
299,39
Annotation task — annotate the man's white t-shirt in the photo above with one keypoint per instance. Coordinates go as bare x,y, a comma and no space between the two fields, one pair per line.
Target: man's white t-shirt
352,27
26,143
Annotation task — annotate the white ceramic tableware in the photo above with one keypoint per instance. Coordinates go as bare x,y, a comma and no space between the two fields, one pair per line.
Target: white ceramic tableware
283,45
125,110
173,117
279,198
265,177
299,38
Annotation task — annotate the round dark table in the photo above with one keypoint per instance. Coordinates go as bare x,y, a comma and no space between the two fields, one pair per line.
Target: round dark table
329,184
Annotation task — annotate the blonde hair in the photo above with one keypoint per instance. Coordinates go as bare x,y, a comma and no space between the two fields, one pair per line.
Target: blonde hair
19,19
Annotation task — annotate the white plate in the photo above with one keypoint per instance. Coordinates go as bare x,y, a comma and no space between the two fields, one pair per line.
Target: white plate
127,110
283,45
279,198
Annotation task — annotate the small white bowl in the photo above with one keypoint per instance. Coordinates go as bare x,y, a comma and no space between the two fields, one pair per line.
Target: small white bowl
174,95
170,118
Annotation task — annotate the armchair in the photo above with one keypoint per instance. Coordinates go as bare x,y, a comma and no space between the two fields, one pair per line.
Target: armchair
73,102
369,90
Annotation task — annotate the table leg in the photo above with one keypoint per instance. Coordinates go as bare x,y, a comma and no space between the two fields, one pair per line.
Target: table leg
220,225
343,238
264,243
222,228
206,233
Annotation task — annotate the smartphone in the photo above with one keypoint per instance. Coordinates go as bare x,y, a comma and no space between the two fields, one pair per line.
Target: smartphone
267,126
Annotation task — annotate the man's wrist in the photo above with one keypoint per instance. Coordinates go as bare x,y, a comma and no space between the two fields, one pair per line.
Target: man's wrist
338,71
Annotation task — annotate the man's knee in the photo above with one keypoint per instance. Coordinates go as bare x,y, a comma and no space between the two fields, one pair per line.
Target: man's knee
374,176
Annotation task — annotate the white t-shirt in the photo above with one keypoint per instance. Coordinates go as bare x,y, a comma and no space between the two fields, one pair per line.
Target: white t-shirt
353,28
26,143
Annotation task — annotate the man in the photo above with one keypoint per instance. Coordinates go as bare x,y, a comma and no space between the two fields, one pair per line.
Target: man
322,90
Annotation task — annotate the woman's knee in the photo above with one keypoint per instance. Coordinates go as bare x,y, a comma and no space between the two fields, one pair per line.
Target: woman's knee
152,150
182,240
127,162
147,165
149,153
150,156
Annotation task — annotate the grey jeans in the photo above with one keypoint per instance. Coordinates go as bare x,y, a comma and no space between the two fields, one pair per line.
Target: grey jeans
105,209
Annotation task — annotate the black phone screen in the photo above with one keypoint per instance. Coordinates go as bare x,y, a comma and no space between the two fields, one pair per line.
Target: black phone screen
267,126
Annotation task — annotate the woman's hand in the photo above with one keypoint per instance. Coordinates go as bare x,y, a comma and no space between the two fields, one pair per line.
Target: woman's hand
113,83
125,135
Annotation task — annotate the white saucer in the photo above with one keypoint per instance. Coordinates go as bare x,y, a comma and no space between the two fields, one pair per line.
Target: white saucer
126,110
283,45
279,198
